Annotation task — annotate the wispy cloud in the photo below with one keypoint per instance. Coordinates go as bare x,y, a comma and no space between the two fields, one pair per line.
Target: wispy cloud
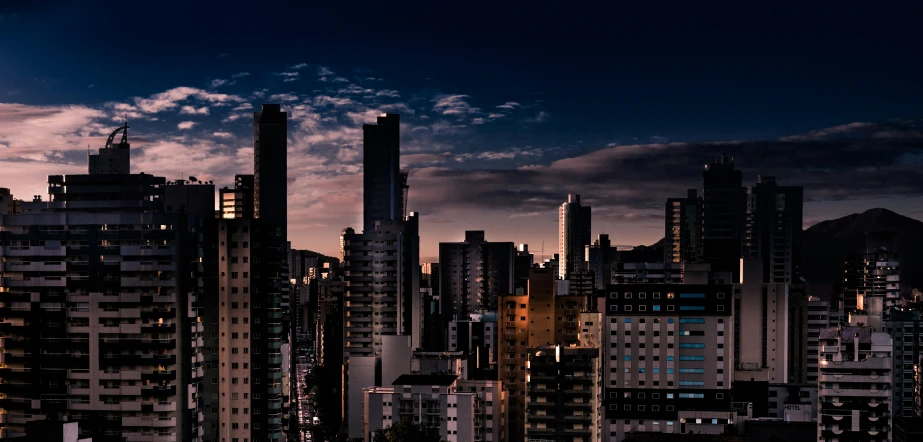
540,117
454,105
170,99
222,134
299,66
323,71
185,125
189,110
509,105
240,75
283,97
388,93
289,76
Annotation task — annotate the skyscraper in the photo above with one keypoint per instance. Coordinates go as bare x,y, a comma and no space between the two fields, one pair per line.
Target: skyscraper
270,165
574,235
382,180
683,229
599,258
871,280
476,273
723,216
382,268
773,235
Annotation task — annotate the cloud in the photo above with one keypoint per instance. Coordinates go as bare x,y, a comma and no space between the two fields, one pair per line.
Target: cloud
43,133
299,66
186,125
509,105
453,105
222,55
189,110
240,75
283,97
323,71
169,100
388,93
222,134
218,82
288,76
541,117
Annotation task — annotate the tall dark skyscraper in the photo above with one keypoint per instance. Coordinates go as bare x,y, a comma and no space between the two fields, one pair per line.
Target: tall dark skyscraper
723,216
683,229
382,182
270,165
774,217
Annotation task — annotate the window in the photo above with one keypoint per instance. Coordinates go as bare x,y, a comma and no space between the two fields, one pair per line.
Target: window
691,396
669,320
720,308
656,308
691,320
669,308
614,295
628,320
669,358
613,308
627,295
627,308
656,295
691,345
720,295
627,357
642,295
692,358
642,308
694,308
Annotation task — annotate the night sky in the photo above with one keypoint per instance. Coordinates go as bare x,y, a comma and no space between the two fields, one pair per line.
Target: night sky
506,106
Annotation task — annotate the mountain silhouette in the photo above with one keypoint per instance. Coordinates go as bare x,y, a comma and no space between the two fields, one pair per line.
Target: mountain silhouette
825,244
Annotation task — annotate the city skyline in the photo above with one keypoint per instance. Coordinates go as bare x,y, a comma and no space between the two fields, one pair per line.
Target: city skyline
497,155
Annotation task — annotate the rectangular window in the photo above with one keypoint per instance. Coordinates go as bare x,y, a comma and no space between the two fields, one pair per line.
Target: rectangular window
691,295
692,358
691,396
692,371
628,320
656,308
691,320
669,358
691,345
669,320
688,308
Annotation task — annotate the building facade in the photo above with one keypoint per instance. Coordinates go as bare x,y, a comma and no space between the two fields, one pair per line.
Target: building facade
563,394
668,352
475,273
101,293
854,397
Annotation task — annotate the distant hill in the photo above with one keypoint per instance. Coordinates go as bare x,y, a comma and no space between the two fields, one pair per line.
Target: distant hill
825,243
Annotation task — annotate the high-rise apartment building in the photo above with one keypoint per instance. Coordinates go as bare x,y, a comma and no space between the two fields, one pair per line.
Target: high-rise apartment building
774,229
668,358
113,158
903,325
723,217
381,267
250,336
383,181
854,385
574,225
539,318
563,394
475,273
101,291
683,229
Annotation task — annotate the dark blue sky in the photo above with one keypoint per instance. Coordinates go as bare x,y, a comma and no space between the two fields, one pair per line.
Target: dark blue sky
584,75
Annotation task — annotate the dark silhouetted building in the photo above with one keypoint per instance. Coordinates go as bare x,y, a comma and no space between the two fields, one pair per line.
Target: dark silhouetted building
114,158
774,229
683,229
574,235
382,179
237,202
723,217
475,273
